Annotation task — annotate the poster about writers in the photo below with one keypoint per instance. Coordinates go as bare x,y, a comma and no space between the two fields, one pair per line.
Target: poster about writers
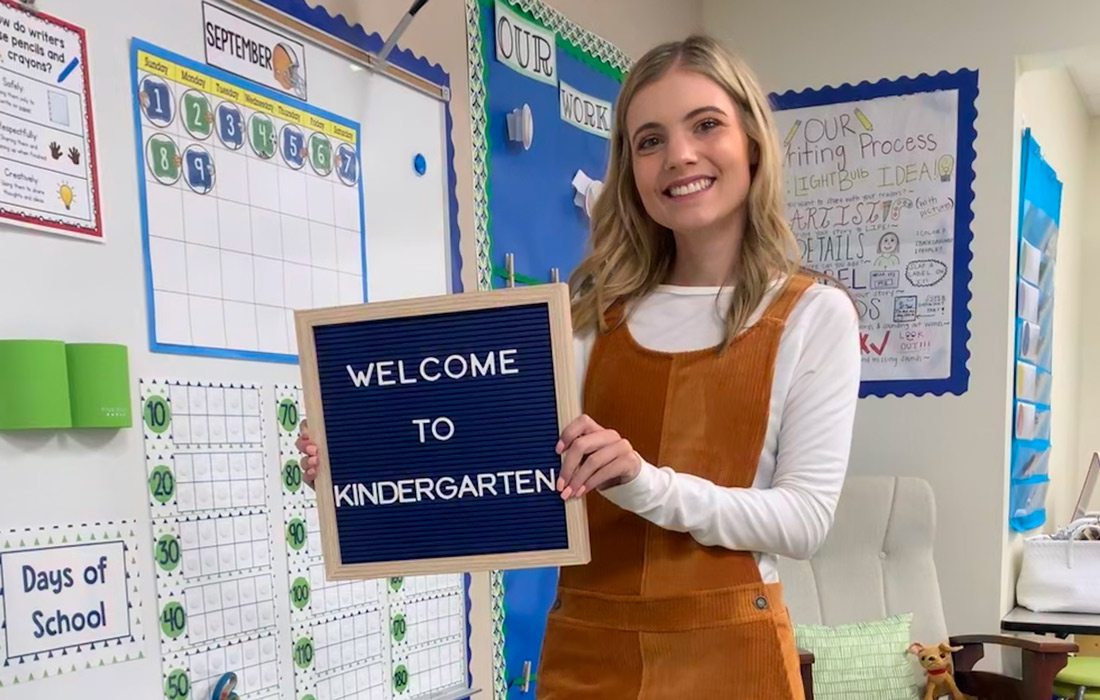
48,178
878,182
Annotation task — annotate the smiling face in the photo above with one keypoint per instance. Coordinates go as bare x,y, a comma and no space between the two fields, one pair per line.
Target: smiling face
690,156
888,244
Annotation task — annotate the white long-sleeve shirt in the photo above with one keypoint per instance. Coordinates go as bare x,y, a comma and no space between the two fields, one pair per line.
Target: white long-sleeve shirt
789,508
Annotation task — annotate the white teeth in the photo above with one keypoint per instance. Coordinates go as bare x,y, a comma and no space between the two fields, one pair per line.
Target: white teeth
691,187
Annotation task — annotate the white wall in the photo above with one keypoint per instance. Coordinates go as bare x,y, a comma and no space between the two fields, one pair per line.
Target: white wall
1089,319
960,444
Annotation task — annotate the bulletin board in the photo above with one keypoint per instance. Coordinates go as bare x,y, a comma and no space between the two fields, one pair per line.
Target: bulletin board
197,510
528,207
879,185
525,200
1039,217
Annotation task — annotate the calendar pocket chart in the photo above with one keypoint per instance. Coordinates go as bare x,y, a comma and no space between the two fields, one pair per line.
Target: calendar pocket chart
251,208
211,534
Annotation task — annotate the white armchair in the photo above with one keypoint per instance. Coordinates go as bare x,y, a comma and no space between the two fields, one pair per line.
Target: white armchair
877,561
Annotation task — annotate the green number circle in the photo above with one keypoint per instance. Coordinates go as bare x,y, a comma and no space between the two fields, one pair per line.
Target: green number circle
168,553
178,685
401,679
162,484
173,620
164,159
288,415
303,653
261,134
320,153
399,627
396,583
292,476
197,115
158,414
296,534
309,697
300,593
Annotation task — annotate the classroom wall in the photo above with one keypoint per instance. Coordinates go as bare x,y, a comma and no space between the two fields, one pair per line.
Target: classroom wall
960,444
102,467
439,33
1089,404
1048,101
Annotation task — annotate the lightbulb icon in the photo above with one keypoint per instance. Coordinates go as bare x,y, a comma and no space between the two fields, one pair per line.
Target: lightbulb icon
944,166
65,192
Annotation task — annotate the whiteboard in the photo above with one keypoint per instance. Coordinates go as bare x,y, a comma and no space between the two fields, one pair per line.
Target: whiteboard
73,290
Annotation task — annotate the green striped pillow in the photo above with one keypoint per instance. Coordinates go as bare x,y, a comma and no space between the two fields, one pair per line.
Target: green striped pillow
862,660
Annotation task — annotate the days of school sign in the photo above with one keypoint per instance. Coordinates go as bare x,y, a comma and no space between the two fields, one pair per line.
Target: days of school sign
878,188
436,421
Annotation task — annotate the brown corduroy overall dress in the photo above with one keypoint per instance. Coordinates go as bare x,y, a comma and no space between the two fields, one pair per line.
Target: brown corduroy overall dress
656,615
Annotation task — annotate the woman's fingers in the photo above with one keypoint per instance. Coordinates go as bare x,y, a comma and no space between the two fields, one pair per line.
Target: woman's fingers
578,450
581,425
599,459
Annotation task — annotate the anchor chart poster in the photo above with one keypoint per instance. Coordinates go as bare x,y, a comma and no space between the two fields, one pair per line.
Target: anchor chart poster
878,187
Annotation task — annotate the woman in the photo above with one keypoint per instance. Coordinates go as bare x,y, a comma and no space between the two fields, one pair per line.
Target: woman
702,349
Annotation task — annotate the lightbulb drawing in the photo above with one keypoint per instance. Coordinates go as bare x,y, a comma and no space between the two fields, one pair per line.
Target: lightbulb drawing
945,165
65,192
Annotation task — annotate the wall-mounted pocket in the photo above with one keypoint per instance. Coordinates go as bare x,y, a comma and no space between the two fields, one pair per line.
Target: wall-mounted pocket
1030,460
1027,503
1032,422
1028,335
1032,384
1027,302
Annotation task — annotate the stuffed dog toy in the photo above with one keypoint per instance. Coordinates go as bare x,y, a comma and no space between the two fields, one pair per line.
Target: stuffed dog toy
936,661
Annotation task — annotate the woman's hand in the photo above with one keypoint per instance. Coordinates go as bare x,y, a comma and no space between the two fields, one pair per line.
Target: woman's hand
594,457
308,461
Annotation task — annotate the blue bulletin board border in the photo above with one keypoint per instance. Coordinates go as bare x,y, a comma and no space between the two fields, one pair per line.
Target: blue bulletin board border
966,82
138,45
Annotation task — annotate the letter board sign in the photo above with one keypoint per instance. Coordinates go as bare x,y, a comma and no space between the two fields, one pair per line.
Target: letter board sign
436,421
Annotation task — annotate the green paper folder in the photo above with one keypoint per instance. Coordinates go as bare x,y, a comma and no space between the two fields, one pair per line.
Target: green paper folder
34,385
99,385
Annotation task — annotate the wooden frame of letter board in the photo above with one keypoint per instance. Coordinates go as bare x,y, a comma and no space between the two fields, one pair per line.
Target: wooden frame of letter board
556,297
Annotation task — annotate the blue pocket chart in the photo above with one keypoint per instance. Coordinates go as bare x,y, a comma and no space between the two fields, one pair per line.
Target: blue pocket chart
1040,209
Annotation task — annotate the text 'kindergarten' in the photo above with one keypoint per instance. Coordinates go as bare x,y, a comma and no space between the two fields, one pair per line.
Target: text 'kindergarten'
452,367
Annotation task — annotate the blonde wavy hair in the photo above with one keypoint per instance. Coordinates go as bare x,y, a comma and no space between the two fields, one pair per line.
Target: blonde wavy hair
630,253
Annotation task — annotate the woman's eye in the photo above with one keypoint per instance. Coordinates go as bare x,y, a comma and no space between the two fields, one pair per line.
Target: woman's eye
708,124
647,142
